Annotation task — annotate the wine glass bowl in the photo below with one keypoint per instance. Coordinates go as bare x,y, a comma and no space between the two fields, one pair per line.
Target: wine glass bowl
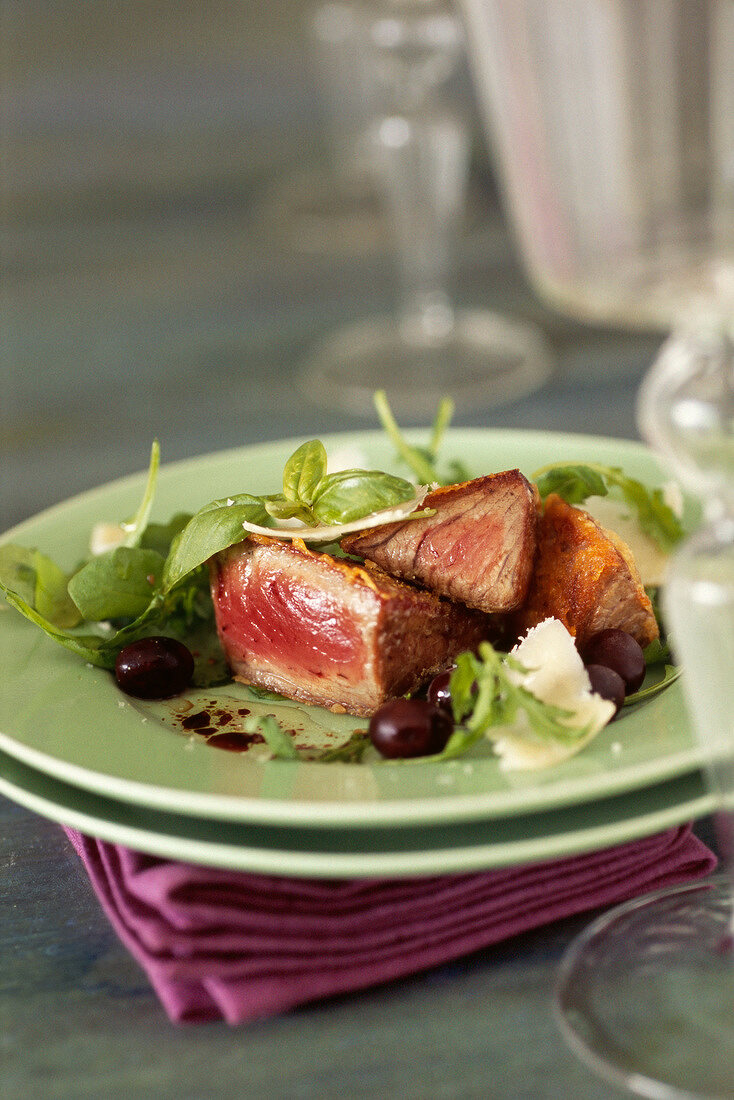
611,129
419,144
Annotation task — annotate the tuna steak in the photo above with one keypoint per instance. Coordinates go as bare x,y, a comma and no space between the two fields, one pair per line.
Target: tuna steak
323,630
478,548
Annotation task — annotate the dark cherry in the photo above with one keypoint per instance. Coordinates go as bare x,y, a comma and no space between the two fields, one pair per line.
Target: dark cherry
617,650
410,727
607,683
154,668
438,690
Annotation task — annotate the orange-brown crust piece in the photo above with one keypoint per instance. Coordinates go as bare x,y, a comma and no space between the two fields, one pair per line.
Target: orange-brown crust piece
586,577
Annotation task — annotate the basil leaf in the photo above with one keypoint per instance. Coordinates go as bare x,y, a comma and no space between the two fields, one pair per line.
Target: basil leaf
135,528
215,527
353,494
572,483
117,585
40,583
303,472
280,508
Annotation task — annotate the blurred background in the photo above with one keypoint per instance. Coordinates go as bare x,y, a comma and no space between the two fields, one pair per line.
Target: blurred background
156,278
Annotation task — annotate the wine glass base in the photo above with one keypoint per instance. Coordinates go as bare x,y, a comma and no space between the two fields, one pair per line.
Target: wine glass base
486,360
645,995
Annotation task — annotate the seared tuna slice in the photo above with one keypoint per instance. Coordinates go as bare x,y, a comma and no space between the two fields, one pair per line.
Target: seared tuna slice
323,630
478,548
586,577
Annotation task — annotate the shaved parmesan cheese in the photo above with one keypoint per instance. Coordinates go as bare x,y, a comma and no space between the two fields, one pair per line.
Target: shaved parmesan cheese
106,536
615,515
294,529
555,674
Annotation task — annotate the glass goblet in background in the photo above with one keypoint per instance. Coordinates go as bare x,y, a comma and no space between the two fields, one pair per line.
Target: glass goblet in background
333,206
612,126
419,146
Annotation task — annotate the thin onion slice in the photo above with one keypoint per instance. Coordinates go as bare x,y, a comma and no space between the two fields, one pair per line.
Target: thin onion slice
333,532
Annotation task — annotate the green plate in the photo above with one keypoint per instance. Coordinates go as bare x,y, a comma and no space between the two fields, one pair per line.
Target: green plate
70,721
395,851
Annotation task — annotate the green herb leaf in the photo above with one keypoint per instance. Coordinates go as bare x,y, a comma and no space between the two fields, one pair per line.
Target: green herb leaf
572,483
351,494
670,675
280,508
303,472
159,536
657,653
40,583
117,585
278,741
215,527
350,752
89,647
135,528
576,483
485,695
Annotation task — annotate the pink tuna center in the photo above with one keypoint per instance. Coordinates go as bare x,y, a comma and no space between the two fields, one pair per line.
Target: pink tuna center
290,624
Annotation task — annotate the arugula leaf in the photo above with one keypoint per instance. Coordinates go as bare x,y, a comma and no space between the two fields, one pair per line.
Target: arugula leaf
159,536
214,527
576,483
572,483
39,582
351,494
90,647
117,585
278,741
350,751
304,472
670,675
421,460
484,695
135,528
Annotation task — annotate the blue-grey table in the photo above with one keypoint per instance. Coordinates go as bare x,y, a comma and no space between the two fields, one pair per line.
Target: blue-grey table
150,289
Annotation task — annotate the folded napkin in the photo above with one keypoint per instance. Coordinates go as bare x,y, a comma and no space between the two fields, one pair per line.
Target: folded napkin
219,944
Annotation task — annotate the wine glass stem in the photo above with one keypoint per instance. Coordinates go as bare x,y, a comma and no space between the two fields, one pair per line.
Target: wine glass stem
422,161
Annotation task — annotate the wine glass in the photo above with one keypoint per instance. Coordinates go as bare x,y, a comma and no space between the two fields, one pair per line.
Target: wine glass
646,994
333,206
420,146
613,130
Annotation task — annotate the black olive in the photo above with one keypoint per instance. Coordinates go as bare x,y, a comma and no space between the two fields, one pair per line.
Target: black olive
438,692
154,668
607,683
618,650
410,727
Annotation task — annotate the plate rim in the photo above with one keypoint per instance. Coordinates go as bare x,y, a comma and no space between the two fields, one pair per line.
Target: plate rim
337,865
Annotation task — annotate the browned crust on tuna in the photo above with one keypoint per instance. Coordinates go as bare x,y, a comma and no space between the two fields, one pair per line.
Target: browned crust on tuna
586,577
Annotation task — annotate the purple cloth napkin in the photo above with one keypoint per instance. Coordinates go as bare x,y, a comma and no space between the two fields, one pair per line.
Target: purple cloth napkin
219,944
